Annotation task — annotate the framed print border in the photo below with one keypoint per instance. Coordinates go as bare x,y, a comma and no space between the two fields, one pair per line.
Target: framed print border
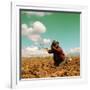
15,45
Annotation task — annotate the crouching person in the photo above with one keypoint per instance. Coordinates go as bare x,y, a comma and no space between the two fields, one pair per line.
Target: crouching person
58,54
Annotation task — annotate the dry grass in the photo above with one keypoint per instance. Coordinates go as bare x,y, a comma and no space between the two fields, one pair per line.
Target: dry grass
42,67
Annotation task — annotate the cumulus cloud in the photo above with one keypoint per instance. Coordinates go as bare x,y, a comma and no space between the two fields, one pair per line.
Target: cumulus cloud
41,14
46,41
34,37
26,30
34,33
39,27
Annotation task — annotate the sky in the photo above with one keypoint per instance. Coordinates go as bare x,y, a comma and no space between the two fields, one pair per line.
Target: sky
40,28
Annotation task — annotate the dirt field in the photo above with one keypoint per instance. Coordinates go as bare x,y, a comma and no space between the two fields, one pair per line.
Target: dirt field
42,67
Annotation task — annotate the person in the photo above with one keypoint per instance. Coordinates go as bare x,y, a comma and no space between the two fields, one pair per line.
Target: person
58,54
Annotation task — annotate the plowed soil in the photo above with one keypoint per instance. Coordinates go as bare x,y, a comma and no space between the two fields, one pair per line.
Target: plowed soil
42,67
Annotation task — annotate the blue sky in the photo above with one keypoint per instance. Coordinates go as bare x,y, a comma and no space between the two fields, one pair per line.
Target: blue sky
61,26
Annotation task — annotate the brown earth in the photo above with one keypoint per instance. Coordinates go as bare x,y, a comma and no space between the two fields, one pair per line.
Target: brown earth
42,67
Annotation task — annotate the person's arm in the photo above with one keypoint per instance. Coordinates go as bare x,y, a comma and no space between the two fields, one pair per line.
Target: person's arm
50,51
56,49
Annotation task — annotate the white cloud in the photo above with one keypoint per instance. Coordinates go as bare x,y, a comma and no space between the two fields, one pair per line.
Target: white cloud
46,41
34,48
34,37
34,52
41,14
74,50
34,32
39,27
26,30
30,30
24,26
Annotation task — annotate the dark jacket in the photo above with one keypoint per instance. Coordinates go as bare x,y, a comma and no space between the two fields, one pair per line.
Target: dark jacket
58,54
